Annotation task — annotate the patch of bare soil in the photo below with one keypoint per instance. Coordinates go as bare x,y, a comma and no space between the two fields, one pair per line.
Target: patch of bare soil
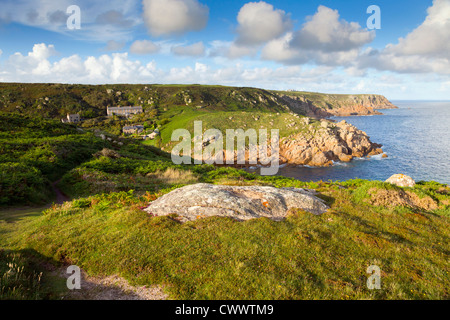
393,198
60,196
110,288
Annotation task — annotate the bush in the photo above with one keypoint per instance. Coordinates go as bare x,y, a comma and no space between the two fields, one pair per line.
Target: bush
20,183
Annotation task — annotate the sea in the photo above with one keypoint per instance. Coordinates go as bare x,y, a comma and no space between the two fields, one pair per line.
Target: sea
416,138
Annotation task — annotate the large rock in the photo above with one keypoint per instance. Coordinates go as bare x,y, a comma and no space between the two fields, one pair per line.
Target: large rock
242,203
105,152
329,142
320,159
401,180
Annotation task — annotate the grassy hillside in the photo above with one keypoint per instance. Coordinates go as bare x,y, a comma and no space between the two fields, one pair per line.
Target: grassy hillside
302,257
160,102
55,100
170,107
35,152
104,230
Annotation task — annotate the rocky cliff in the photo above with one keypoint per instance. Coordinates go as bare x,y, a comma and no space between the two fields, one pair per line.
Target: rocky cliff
322,106
318,143
331,141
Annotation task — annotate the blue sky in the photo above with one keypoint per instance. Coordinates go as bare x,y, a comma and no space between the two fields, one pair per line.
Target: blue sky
312,45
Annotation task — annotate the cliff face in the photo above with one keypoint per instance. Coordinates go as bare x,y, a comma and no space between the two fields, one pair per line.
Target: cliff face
323,106
329,142
319,144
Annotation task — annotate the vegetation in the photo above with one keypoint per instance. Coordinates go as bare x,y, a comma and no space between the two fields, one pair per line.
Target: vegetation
35,152
302,257
104,230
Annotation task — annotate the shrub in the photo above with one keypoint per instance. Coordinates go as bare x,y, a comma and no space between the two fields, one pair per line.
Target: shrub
20,183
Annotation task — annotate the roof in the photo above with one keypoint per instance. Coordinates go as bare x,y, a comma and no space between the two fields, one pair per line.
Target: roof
133,127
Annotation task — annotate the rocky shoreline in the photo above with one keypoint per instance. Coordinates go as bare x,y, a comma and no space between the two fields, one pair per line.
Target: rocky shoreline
320,145
330,142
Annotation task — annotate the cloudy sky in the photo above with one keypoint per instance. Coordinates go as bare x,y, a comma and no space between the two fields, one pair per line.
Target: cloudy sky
323,46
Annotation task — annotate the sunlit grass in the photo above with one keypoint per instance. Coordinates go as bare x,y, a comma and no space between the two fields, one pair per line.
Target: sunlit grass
302,257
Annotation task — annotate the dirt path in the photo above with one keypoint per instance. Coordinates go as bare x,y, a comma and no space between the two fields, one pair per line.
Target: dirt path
110,288
92,288
105,288
60,196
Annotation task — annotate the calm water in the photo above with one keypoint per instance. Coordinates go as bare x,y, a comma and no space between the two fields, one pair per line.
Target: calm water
416,138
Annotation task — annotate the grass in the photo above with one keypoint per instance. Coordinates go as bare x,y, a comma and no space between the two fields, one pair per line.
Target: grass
16,282
24,273
302,257
286,123
105,231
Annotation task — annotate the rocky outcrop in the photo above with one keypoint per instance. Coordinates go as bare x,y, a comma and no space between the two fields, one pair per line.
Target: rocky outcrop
242,203
323,106
316,144
331,141
105,152
401,180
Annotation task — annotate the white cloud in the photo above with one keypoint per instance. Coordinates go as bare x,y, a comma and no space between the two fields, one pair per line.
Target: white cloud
431,38
405,63
325,32
119,68
1,52
36,67
35,62
260,22
72,66
426,49
194,50
235,51
42,51
280,50
355,71
323,39
98,21
41,65
201,67
166,17
144,47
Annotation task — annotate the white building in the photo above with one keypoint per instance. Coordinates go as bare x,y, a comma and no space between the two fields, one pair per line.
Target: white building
123,111
72,118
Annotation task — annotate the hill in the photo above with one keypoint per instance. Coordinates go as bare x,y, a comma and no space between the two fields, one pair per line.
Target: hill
56,100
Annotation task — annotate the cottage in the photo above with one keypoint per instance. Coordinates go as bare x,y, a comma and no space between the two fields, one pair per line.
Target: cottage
133,129
124,111
72,118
